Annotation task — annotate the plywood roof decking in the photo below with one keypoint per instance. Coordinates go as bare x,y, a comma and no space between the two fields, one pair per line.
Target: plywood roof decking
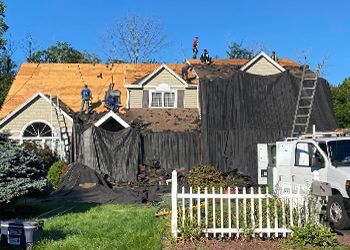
67,80
284,62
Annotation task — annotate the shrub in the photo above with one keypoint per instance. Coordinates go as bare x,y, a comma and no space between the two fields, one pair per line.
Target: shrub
56,173
21,172
45,154
314,235
205,176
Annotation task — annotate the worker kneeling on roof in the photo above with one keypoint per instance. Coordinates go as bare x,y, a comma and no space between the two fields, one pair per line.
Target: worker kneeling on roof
86,96
205,58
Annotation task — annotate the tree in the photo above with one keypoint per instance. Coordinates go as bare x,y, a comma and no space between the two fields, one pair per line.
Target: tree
62,52
341,103
7,66
21,172
237,51
138,39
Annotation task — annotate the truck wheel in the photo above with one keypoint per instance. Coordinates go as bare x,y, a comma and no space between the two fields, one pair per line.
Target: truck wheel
336,212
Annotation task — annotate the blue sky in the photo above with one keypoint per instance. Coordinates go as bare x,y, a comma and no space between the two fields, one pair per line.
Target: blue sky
321,28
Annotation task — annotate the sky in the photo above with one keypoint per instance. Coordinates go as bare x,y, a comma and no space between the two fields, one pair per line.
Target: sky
319,29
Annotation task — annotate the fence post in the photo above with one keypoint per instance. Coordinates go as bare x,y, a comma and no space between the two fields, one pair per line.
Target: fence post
174,204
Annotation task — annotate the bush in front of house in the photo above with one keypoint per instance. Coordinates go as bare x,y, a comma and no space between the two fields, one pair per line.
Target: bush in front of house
205,176
56,171
21,172
312,234
45,154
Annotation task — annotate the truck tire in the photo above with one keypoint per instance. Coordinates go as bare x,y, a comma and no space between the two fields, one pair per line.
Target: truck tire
336,212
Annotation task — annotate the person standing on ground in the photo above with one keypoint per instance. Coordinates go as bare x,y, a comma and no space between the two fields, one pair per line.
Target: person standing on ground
195,47
86,96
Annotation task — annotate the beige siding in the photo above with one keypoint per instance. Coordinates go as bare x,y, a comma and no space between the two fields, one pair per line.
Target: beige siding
164,77
190,99
263,67
135,98
38,110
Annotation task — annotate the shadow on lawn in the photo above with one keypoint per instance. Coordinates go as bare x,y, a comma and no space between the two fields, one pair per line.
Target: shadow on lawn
34,209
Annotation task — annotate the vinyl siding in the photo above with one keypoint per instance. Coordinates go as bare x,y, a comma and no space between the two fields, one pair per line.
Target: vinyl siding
135,98
190,99
39,109
263,67
164,77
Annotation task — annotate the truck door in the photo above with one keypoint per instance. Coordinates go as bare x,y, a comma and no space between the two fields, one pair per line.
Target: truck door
308,162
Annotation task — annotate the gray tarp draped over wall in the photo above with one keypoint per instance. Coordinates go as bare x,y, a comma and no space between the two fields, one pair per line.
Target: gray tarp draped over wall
171,149
245,109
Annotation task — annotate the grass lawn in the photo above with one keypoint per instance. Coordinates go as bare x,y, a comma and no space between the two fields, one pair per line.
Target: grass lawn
99,227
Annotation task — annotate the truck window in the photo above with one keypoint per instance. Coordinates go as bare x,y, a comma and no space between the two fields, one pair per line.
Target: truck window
302,156
339,152
323,146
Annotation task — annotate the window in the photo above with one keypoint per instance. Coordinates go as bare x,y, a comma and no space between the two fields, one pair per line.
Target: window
37,129
163,99
169,100
156,100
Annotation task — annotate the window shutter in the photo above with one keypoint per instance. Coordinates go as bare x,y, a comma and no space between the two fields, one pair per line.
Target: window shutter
180,98
145,99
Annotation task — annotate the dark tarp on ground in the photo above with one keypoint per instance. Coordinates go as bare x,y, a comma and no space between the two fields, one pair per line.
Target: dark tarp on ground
171,150
82,184
244,109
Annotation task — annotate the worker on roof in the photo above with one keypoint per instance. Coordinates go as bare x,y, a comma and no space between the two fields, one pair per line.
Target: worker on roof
195,47
86,96
205,58
274,56
185,70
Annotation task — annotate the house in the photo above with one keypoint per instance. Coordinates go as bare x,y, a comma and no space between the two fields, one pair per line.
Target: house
44,97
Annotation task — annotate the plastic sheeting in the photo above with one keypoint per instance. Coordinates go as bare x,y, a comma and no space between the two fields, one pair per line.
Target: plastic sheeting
245,109
170,150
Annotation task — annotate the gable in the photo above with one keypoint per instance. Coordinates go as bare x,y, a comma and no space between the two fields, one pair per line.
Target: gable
263,67
164,77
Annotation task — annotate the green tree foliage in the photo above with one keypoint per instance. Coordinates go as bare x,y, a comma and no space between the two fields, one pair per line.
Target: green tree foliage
62,52
341,103
237,51
21,172
56,172
45,154
6,64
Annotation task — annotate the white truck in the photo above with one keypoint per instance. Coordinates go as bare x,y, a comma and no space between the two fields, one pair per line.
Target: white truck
320,158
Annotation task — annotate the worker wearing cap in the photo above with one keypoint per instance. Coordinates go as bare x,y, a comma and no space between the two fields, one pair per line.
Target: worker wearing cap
85,95
205,57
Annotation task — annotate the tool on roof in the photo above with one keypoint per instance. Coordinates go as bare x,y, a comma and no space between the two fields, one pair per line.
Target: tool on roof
307,90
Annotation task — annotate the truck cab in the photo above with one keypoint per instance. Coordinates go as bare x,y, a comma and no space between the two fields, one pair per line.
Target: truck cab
306,160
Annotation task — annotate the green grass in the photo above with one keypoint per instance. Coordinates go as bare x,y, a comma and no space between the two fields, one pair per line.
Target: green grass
91,226
104,227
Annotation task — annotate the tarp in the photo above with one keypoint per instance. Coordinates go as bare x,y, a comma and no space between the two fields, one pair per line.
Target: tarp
244,109
170,150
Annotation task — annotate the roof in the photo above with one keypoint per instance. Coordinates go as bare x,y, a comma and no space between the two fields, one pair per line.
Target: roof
284,62
67,80
158,120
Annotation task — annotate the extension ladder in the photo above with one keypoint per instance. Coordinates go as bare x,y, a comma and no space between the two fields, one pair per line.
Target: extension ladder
307,90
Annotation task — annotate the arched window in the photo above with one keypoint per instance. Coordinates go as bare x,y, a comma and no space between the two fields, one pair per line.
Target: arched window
37,129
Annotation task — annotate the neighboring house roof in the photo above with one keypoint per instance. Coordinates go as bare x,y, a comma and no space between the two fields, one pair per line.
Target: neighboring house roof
28,101
114,116
67,80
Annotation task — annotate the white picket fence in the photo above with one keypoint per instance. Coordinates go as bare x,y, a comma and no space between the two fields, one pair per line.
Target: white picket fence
238,212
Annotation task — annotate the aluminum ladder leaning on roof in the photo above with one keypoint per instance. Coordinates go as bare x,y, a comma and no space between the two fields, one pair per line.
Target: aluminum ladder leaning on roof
306,96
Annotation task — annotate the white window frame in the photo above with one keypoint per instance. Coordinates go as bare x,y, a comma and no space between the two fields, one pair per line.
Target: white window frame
162,92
